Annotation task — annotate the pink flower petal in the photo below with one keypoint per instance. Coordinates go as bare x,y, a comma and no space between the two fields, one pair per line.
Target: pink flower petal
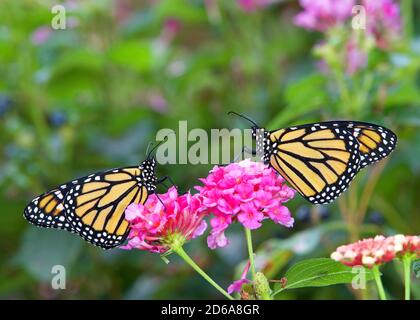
200,229
217,240
132,212
281,215
250,217
236,286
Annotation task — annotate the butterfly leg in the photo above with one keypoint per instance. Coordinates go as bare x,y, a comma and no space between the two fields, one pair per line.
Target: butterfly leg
160,200
163,179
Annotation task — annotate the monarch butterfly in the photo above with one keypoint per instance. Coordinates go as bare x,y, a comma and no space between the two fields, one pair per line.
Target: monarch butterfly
320,159
93,206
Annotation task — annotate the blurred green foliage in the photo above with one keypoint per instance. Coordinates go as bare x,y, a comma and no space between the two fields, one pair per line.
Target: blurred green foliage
92,96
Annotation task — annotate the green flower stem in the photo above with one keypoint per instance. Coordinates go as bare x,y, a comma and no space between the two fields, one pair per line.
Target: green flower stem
180,251
250,252
407,13
377,276
407,278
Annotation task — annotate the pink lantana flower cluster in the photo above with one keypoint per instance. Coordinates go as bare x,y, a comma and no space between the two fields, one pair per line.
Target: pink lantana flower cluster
382,24
321,15
155,226
356,58
383,20
248,192
377,251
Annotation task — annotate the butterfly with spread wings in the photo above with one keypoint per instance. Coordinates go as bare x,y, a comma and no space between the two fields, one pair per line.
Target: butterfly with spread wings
93,206
320,160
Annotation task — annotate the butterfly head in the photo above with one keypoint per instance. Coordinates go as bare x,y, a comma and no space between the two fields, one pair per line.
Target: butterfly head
148,174
148,167
264,146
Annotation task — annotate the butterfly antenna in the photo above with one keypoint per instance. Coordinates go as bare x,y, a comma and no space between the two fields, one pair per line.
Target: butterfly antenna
156,146
148,147
244,117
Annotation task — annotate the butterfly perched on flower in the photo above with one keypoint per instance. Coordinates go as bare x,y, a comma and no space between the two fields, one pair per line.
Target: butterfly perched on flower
320,159
93,206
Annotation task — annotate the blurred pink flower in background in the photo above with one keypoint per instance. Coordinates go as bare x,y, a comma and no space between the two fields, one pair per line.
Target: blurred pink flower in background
153,225
248,192
72,4
171,27
356,59
383,17
383,23
41,35
236,286
253,5
123,10
321,15
376,251
383,20
157,102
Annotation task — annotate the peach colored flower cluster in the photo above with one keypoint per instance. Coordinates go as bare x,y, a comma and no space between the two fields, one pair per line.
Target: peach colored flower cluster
376,251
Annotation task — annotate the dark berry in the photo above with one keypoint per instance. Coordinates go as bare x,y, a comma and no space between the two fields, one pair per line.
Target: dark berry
323,212
5,104
376,217
57,119
303,214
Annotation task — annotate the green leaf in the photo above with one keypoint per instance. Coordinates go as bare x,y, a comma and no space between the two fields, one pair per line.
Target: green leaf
187,13
302,97
124,120
9,284
80,60
137,55
42,249
410,117
75,72
320,272
403,94
140,22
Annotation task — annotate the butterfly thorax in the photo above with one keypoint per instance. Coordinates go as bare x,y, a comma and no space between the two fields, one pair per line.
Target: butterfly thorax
264,146
147,176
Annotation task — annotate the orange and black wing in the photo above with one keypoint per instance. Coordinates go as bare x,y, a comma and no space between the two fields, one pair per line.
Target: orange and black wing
318,160
375,142
47,210
95,205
